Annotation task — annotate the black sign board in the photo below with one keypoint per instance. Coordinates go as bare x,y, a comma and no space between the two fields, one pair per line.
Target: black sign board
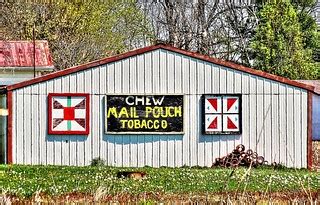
144,114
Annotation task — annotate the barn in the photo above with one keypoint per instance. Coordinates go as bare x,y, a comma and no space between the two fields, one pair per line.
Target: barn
157,106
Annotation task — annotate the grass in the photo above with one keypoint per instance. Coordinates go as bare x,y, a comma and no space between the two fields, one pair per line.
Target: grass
25,181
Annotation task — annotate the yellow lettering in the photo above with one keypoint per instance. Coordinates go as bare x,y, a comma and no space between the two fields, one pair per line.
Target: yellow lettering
156,124
178,111
164,124
123,111
133,112
150,124
123,123
148,111
130,124
143,124
168,110
112,111
158,113
164,112
136,124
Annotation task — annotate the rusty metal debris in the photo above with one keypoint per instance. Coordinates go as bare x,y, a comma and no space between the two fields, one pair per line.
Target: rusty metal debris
132,174
240,157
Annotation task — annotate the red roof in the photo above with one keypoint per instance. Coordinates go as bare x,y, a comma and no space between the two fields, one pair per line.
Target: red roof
154,47
15,54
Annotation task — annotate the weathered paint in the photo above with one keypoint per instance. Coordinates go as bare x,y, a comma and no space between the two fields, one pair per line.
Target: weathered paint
21,54
271,124
17,61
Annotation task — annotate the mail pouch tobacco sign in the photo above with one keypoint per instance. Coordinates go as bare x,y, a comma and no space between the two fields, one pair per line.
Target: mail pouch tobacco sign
144,113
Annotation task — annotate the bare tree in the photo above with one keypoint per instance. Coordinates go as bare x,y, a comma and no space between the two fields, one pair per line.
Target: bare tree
212,27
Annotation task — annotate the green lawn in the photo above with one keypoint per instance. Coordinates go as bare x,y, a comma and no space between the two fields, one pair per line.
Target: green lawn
25,181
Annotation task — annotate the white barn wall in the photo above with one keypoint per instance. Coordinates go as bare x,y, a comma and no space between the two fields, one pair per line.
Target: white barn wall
274,115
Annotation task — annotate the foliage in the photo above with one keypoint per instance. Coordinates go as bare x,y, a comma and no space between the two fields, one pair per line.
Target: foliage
82,31
310,33
307,22
77,31
25,181
97,162
279,43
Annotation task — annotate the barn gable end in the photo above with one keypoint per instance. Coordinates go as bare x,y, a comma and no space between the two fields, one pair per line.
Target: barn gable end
274,112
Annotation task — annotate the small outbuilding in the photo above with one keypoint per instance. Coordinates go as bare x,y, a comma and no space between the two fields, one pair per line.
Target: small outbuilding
23,60
157,106
20,61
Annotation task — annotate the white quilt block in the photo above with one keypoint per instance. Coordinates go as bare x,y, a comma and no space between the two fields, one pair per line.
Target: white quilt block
68,113
222,114
212,105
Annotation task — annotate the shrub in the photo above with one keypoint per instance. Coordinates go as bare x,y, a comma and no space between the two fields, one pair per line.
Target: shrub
97,162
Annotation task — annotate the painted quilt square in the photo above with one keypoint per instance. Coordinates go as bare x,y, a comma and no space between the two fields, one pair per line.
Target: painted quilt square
230,104
222,114
213,123
213,105
68,113
231,123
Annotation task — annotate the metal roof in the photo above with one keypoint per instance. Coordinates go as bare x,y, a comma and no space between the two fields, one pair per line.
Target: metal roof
151,48
20,54
314,83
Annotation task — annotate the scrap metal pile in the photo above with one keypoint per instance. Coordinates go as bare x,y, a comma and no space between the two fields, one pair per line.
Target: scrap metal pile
240,157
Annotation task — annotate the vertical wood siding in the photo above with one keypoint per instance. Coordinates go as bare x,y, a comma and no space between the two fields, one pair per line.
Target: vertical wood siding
274,115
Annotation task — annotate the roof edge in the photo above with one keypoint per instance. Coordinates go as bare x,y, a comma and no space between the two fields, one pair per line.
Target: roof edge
239,67
166,47
24,41
27,68
85,66
314,83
